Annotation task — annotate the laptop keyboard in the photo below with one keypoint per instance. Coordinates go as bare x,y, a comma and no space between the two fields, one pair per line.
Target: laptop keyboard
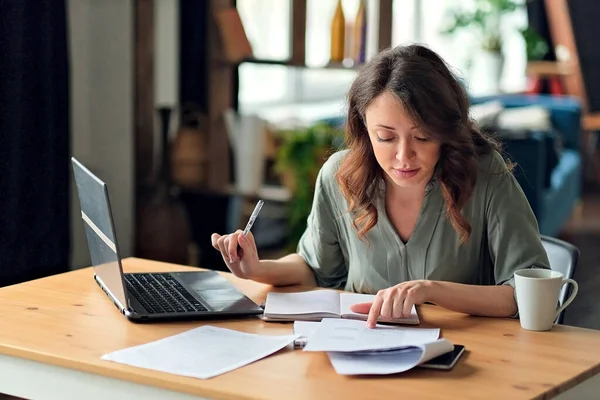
160,293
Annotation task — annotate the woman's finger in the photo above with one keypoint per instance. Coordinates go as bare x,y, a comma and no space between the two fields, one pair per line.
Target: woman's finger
223,243
361,308
232,246
375,310
409,301
214,238
387,308
250,238
399,301
247,248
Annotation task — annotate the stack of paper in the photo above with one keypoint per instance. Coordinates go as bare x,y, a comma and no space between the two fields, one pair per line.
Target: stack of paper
354,349
202,353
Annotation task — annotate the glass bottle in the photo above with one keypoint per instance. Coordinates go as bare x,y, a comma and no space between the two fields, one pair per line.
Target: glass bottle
359,38
338,33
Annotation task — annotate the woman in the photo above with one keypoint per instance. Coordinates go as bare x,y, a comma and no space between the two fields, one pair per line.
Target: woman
420,208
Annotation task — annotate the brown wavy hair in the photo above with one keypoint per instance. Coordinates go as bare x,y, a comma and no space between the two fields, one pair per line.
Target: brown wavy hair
439,105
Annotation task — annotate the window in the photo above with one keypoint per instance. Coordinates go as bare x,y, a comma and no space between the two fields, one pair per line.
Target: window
321,83
267,23
461,49
270,38
405,22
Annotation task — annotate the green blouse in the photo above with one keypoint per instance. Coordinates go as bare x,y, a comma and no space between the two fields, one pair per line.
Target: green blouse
504,236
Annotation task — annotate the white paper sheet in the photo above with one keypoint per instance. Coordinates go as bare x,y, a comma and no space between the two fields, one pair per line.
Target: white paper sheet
202,353
388,362
346,335
305,329
311,302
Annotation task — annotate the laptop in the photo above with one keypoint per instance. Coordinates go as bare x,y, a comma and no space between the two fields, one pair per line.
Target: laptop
145,297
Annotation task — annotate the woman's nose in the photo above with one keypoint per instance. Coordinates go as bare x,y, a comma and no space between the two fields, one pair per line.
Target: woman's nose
405,151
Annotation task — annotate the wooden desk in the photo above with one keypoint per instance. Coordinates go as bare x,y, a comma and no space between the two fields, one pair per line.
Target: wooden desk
54,330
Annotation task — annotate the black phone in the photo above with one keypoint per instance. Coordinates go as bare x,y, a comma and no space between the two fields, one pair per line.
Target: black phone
446,361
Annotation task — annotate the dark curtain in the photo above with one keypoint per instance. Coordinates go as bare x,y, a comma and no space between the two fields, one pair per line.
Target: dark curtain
538,21
193,53
34,140
584,20
194,91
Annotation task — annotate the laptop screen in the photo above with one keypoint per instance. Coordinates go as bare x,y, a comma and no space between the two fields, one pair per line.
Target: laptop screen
100,232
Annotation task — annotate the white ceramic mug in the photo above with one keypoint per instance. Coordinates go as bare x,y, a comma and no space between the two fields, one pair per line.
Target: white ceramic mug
537,292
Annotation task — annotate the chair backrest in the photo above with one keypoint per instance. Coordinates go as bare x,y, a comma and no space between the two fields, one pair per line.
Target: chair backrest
563,257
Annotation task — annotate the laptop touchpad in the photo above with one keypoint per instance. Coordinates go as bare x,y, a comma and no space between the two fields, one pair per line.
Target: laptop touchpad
218,295
211,287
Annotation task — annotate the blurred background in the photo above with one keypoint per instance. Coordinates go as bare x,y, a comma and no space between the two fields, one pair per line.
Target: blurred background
193,110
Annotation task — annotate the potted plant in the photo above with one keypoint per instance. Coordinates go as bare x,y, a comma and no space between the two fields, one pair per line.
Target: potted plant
301,152
483,20
535,45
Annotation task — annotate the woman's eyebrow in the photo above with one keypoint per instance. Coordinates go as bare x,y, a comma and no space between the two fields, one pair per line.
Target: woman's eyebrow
385,127
413,128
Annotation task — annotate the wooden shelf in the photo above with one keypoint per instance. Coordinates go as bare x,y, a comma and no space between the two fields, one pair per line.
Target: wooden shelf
347,65
266,192
286,63
591,122
549,68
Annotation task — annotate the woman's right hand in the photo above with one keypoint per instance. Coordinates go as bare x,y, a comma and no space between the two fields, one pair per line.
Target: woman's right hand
244,262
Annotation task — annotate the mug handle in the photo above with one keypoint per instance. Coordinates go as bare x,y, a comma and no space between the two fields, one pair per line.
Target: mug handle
571,297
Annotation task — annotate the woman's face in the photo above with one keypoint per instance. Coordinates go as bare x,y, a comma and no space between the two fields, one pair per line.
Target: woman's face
407,155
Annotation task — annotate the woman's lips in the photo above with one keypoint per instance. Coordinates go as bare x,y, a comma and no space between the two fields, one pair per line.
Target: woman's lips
405,173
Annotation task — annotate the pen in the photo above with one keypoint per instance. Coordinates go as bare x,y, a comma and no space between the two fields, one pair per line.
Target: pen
253,217
251,221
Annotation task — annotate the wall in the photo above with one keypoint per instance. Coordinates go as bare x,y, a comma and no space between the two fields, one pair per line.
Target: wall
101,49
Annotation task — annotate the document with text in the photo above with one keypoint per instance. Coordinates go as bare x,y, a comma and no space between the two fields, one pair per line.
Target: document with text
202,353
346,335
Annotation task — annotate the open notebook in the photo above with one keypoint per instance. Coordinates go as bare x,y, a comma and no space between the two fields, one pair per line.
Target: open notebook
315,305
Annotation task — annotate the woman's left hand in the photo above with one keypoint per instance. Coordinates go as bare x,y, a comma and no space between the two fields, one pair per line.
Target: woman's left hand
394,302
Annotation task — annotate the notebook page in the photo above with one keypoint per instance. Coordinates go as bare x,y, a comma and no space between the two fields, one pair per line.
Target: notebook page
314,301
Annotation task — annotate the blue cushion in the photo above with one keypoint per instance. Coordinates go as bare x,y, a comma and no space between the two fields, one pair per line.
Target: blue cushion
565,112
563,193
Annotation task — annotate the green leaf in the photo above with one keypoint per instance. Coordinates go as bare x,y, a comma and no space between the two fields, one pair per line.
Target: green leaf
484,20
300,155
535,45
